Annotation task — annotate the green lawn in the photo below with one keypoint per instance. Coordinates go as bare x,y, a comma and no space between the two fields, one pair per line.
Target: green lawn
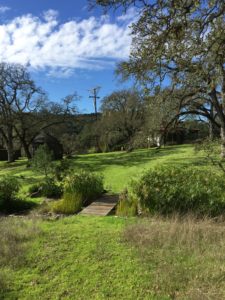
114,258
80,258
118,168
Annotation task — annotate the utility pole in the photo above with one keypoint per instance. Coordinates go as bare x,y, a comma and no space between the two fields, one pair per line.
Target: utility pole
94,96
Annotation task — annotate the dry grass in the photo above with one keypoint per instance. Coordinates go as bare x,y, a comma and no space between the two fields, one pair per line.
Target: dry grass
185,256
15,236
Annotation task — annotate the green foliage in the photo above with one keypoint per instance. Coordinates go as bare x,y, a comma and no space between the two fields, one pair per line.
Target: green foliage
9,186
93,150
168,190
211,150
51,189
127,206
209,147
122,117
9,202
18,205
79,189
42,160
34,189
118,167
62,169
88,185
70,204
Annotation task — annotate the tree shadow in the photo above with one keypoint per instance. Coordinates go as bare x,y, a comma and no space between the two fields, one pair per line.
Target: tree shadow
18,206
16,164
138,157
190,162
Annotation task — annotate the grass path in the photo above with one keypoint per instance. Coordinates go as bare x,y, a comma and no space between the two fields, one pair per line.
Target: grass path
81,258
103,258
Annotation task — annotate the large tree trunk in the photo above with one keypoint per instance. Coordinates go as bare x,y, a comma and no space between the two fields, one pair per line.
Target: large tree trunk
222,135
7,136
26,148
22,137
220,111
27,151
211,131
211,124
10,148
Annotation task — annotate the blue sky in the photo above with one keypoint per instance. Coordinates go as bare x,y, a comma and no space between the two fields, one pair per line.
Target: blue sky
67,47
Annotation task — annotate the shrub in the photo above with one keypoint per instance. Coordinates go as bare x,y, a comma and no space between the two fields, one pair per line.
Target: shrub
126,206
35,190
88,185
9,186
167,190
79,189
49,189
62,169
18,205
42,161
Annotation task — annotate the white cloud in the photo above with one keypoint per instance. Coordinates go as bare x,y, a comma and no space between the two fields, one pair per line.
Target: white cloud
92,43
4,9
130,15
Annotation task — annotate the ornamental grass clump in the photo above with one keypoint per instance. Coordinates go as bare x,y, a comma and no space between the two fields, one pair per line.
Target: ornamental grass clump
79,190
126,207
168,190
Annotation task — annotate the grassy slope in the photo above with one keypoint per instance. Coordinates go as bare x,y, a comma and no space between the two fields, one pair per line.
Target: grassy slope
81,258
93,258
117,167
84,257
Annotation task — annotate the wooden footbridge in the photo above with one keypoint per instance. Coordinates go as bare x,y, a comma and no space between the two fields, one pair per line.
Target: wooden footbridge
101,207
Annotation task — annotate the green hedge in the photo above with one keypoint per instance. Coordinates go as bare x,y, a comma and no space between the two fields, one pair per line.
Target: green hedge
166,190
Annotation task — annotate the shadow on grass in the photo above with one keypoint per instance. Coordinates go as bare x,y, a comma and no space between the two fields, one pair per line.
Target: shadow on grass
101,161
17,206
16,164
190,162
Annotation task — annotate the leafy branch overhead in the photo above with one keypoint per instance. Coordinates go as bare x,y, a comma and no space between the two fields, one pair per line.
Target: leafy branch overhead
180,45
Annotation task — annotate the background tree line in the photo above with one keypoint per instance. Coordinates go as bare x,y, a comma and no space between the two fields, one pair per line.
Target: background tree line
127,118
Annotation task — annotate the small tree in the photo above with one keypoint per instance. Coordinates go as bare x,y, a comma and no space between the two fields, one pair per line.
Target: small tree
43,160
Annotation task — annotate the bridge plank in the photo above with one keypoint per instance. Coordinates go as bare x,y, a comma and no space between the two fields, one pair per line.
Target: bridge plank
102,206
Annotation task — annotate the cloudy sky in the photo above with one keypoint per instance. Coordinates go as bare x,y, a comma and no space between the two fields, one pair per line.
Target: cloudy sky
66,46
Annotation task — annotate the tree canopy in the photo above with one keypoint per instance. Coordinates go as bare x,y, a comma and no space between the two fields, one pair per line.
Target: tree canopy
181,45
